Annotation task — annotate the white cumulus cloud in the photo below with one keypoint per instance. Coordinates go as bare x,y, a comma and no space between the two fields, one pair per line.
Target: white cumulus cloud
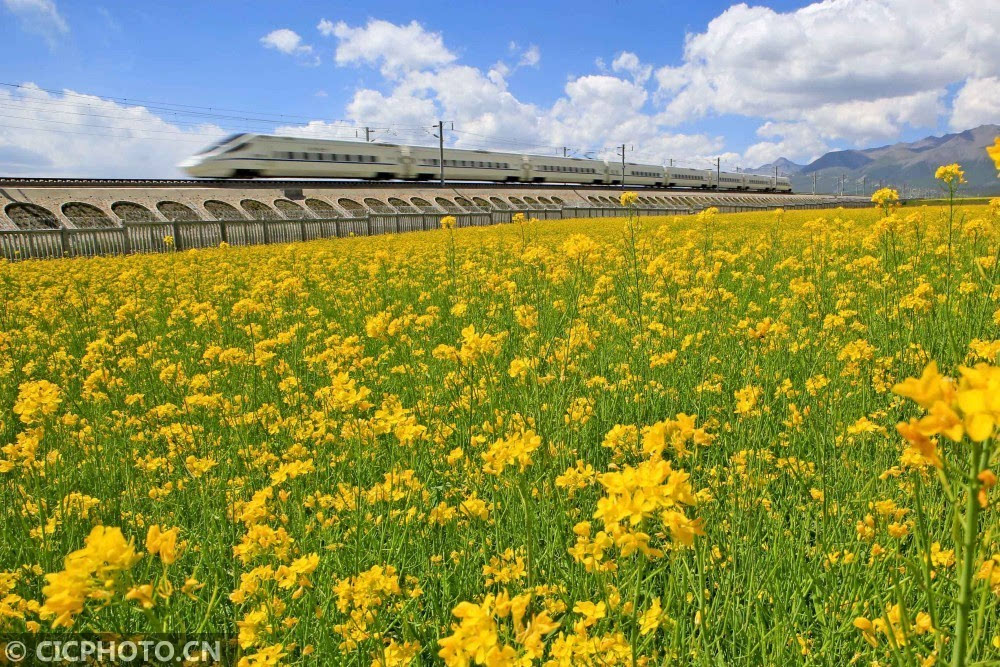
289,42
71,134
977,103
628,63
851,70
395,49
284,40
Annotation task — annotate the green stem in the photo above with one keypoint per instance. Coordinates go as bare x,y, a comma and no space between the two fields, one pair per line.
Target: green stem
634,638
530,526
969,550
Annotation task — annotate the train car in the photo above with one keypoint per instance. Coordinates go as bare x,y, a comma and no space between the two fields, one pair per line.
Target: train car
565,170
679,177
266,156
760,183
644,174
251,156
463,165
728,181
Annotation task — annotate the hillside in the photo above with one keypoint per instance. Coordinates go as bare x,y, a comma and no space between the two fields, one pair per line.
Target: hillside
908,167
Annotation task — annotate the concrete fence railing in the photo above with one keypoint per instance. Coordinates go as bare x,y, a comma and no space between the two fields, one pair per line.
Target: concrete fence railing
162,236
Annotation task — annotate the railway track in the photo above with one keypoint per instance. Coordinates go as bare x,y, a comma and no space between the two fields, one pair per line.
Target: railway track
24,182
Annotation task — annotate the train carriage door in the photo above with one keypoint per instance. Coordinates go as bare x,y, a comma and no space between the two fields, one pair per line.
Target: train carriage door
525,169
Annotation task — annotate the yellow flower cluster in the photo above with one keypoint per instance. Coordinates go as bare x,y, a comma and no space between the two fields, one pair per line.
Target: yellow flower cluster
894,626
628,199
477,637
88,574
886,199
994,152
36,400
951,175
611,441
970,407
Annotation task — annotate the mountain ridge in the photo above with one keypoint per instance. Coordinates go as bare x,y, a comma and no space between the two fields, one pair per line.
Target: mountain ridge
907,166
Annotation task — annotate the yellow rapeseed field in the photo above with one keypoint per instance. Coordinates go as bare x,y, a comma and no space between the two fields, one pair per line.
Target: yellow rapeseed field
586,442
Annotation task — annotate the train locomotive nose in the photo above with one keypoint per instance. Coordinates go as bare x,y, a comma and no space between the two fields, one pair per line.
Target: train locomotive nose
192,166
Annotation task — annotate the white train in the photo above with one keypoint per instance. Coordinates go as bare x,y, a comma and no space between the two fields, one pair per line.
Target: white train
265,156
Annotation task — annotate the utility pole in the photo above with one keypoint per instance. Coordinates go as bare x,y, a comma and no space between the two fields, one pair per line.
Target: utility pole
864,184
718,172
775,177
671,162
814,182
623,165
565,150
368,134
441,148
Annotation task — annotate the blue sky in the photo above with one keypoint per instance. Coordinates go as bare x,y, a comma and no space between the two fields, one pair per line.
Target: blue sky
681,80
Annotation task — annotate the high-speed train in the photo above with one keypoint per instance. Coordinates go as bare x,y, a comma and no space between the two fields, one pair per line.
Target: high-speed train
266,156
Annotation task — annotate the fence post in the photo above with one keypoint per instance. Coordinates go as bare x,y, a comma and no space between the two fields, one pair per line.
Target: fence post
336,228
368,224
64,240
224,231
267,233
302,229
177,234
126,239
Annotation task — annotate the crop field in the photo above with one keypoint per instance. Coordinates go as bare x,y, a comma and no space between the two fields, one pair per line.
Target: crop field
584,442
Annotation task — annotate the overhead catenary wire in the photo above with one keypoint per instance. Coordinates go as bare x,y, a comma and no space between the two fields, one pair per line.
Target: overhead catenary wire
188,114
188,119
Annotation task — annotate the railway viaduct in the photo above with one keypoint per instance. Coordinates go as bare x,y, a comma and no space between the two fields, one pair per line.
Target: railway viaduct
27,204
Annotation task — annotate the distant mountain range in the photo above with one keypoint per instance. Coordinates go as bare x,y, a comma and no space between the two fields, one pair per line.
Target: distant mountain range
908,167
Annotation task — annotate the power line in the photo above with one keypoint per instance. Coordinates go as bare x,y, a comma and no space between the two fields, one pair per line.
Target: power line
205,118
180,107
199,141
